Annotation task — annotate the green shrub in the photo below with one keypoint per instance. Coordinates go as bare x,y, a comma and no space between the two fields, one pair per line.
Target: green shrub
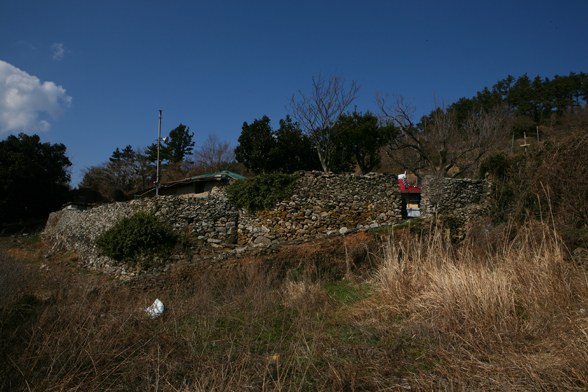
139,236
261,192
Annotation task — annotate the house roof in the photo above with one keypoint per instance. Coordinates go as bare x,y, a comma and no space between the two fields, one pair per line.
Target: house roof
220,176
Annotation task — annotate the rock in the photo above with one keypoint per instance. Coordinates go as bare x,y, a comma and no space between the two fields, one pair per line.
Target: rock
262,242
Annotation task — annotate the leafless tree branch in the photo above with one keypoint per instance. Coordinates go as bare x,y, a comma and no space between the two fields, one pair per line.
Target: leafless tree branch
317,112
214,155
439,144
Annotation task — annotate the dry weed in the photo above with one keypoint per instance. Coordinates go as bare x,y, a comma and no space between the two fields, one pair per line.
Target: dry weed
504,320
484,315
304,296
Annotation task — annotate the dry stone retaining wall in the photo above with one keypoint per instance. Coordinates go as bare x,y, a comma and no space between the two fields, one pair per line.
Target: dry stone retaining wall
325,204
451,195
78,230
321,205
212,219
461,199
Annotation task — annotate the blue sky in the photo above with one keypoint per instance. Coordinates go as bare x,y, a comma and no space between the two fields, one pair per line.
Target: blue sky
94,74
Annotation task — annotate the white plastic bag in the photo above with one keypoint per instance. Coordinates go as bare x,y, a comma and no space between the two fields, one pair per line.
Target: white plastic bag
156,309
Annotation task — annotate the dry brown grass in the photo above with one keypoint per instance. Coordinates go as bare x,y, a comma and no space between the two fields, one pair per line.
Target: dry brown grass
506,320
432,315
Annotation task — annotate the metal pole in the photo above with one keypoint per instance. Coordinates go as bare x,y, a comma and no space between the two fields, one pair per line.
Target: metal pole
158,146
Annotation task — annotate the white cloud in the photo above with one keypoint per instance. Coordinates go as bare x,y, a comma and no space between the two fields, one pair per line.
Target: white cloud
23,98
58,51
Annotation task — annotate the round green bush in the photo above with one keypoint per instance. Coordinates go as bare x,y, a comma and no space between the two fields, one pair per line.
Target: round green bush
140,235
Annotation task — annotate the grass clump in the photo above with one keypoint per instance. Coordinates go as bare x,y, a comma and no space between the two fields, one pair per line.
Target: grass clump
261,192
139,236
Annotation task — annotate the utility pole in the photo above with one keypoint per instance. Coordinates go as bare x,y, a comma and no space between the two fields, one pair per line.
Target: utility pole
158,147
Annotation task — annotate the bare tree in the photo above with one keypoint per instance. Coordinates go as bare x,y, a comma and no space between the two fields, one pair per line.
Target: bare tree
214,155
317,112
439,144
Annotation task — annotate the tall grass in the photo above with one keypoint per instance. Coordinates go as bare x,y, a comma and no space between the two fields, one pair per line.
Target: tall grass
501,312
242,330
505,317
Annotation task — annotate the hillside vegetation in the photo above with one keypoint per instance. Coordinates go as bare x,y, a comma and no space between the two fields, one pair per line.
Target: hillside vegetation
396,310
546,183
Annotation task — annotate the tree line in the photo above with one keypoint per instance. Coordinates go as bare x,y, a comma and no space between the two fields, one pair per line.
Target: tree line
537,100
130,170
320,132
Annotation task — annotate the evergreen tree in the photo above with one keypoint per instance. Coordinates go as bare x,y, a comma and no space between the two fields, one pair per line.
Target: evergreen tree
34,177
263,150
178,146
257,145
362,137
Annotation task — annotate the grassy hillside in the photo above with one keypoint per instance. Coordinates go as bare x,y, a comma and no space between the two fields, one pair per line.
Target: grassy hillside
505,309
368,312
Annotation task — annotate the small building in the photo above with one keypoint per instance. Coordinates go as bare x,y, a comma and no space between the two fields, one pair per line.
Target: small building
197,186
411,197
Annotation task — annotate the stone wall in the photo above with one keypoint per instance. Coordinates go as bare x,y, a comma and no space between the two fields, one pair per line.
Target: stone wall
451,195
325,204
322,205
214,220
